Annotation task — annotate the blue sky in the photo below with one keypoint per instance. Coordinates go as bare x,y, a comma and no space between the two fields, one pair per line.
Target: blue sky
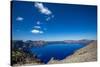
46,21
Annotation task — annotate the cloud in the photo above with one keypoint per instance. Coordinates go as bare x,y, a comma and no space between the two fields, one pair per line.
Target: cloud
41,32
35,31
42,9
38,27
19,18
38,22
52,16
48,18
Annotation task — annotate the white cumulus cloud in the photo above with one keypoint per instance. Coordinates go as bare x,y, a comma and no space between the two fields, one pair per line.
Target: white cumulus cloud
19,18
42,9
35,31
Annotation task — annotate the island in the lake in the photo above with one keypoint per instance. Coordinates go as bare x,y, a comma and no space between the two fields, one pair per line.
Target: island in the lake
21,54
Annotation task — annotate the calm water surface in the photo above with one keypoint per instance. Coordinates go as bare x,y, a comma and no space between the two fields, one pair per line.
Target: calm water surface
57,51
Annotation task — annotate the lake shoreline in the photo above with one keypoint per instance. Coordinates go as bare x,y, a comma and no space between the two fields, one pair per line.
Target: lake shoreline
85,54
70,58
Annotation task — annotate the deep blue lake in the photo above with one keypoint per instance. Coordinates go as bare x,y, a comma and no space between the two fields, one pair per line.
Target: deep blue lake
57,51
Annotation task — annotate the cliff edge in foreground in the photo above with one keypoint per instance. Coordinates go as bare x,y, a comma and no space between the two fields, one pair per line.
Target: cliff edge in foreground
85,54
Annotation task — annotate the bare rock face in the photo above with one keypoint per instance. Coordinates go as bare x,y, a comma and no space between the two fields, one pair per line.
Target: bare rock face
85,54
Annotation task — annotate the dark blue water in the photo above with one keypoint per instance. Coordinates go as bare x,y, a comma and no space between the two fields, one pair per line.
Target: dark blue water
57,51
